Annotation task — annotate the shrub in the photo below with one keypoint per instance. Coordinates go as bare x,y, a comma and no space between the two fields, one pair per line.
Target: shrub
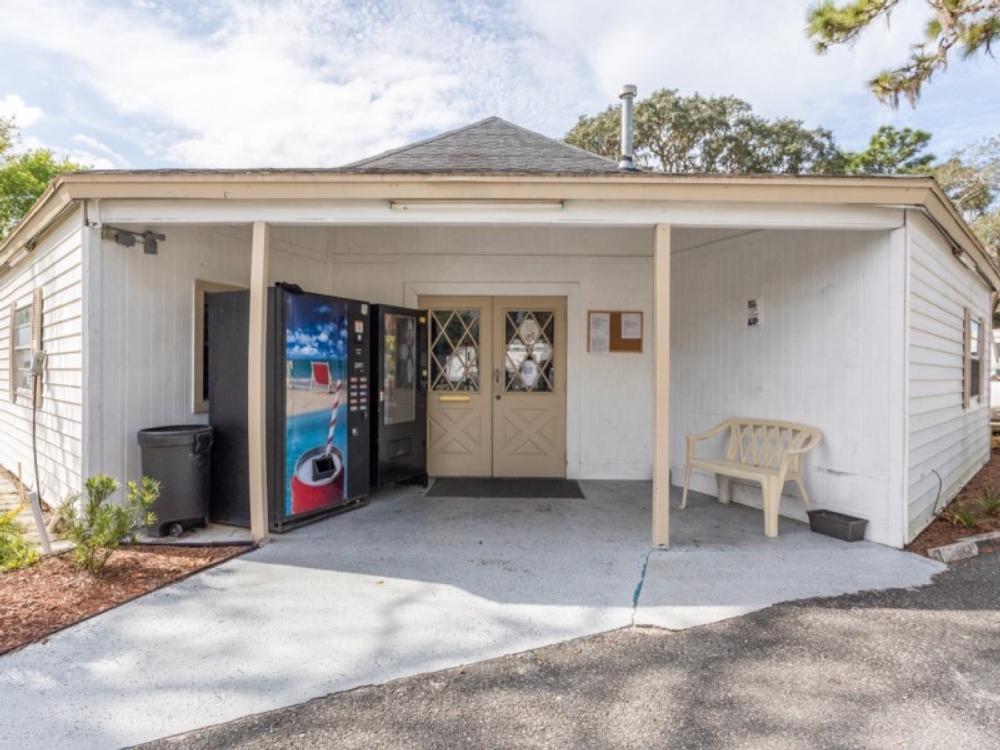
15,551
97,526
963,517
989,498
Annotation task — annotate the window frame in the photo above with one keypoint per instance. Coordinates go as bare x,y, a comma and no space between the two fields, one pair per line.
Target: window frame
199,402
18,373
974,381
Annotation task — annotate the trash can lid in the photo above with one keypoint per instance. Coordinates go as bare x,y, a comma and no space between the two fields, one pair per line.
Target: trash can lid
173,434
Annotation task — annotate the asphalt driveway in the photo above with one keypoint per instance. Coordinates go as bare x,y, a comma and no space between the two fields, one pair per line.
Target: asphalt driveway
906,668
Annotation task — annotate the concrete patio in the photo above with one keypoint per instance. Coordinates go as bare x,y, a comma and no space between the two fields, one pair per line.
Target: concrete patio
408,585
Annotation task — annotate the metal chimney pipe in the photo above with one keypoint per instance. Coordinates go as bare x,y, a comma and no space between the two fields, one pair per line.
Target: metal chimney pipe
627,96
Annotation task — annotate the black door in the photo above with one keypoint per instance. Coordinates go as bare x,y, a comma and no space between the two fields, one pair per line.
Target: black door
399,388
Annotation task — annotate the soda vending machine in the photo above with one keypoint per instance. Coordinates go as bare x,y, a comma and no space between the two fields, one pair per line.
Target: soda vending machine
399,394
316,411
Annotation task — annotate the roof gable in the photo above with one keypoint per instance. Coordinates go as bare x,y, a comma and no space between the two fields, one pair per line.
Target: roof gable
492,145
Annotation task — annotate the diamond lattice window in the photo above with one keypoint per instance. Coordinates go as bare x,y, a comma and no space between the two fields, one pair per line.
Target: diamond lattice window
455,350
530,346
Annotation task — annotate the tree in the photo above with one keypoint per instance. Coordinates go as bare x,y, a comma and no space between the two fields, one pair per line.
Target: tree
709,134
892,151
971,178
970,26
23,176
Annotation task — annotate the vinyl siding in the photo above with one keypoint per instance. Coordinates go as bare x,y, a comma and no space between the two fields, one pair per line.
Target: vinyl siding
822,355
55,268
947,443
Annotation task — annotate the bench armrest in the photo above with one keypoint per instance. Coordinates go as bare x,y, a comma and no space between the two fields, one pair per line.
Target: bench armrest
693,440
811,443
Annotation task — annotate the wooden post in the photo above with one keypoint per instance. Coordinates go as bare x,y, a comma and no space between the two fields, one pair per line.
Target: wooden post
256,380
661,385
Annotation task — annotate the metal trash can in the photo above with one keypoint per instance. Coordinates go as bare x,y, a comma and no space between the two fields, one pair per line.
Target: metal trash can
179,458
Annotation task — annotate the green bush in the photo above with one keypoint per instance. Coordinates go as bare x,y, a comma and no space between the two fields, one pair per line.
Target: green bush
15,550
99,527
989,498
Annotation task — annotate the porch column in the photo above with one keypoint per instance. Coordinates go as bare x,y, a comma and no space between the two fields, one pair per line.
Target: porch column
256,378
661,385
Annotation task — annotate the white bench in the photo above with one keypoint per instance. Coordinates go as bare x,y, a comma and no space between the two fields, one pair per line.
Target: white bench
765,451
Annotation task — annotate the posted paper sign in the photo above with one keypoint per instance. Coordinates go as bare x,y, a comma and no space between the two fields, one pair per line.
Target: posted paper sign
600,333
631,325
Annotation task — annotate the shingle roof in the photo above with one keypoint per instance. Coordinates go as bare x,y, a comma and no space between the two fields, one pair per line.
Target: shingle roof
492,145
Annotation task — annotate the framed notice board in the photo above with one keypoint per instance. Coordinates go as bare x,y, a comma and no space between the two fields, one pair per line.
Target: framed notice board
614,331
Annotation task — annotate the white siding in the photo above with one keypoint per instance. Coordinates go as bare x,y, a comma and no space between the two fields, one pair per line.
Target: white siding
821,355
947,443
141,329
55,268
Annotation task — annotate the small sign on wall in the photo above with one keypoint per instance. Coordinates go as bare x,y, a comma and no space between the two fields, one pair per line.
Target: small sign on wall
614,331
753,313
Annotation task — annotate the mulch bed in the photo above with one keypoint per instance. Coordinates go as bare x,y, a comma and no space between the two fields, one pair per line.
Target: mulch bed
942,531
39,600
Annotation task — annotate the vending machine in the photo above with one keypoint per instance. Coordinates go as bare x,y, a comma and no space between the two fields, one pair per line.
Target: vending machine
399,395
317,410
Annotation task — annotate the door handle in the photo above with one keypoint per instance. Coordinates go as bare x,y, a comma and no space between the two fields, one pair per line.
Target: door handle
496,381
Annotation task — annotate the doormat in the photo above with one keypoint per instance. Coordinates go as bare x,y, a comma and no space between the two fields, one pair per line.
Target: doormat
503,487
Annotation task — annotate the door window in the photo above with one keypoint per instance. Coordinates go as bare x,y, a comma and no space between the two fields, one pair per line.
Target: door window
400,386
454,350
529,349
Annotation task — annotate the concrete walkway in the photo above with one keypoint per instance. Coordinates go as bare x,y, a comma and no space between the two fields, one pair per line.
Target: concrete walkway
405,586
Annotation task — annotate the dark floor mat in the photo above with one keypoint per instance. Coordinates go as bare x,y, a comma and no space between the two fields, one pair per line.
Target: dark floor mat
496,487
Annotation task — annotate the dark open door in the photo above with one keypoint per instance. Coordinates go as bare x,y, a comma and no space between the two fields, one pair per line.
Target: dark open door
399,433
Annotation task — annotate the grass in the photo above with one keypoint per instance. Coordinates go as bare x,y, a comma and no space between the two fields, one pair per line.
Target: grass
964,517
989,501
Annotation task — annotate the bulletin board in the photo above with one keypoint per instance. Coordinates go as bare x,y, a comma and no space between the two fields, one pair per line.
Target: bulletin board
614,331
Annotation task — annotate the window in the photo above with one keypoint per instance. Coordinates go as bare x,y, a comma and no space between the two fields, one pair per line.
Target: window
975,351
25,339
21,346
201,345
400,384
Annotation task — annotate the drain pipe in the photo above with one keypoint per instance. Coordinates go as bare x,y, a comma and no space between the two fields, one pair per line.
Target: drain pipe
627,162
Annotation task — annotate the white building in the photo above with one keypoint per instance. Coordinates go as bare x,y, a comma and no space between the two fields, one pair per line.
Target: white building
873,299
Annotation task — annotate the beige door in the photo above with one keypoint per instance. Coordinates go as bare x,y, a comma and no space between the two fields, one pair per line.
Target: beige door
497,397
460,407
529,387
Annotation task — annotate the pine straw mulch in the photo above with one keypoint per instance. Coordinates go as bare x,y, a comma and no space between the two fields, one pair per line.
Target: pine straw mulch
53,594
943,531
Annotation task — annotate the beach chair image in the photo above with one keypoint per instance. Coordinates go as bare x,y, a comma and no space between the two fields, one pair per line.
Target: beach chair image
320,379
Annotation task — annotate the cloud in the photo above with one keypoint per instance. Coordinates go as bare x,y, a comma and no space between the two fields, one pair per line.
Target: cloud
324,82
23,114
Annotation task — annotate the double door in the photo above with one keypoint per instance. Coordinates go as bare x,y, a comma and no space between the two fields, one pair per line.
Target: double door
497,386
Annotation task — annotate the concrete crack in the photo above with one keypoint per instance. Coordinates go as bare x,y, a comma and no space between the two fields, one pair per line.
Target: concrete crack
638,587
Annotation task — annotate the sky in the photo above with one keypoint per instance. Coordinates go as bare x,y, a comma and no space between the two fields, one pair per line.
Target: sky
284,83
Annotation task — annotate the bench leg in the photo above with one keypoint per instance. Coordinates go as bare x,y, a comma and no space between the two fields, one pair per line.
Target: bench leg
806,500
725,488
687,480
772,500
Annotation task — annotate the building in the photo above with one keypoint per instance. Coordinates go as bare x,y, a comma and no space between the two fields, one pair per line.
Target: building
858,305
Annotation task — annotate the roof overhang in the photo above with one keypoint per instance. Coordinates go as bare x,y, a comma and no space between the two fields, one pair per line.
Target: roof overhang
921,193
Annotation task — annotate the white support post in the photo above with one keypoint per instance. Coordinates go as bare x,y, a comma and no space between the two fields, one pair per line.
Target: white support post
661,385
256,378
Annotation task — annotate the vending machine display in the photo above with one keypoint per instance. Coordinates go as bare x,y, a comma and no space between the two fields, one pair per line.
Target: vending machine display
318,423
399,389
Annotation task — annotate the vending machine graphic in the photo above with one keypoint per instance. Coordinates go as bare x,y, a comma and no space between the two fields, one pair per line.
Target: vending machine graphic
315,423
316,411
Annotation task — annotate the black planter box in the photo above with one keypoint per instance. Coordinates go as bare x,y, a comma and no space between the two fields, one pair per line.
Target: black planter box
838,525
